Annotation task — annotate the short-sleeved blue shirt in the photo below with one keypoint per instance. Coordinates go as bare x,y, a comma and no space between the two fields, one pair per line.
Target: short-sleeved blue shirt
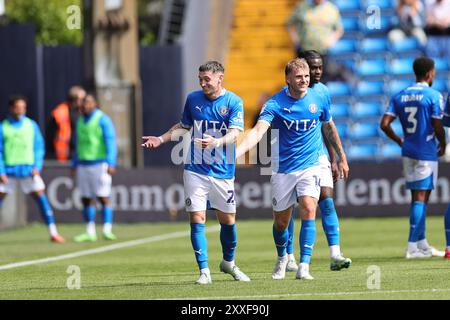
415,106
214,118
299,140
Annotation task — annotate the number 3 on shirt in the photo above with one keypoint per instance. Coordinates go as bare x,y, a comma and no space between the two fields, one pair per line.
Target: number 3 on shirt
411,119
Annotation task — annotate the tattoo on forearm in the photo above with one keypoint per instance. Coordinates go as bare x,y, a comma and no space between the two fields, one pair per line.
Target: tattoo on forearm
333,139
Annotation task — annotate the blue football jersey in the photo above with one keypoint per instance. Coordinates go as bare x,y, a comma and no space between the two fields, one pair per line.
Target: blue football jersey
415,106
213,118
322,90
298,123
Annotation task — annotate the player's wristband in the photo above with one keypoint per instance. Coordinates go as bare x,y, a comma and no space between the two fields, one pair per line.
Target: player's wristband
161,139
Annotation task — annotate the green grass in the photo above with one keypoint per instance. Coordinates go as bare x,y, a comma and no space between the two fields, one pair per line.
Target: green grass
167,269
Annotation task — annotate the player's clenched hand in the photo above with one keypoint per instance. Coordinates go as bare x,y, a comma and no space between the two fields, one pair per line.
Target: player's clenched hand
151,142
343,169
3,178
334,170
207,142
111,171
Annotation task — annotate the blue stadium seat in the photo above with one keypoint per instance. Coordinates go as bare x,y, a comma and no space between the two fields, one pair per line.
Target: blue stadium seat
406,45
365,88
338,88
350,24
395,86
366,130
385,25
390,150
441,85
367,68
401,66
347,5
441,64
343,46
340,110
382,4
367,151
373,45
366,109
342,129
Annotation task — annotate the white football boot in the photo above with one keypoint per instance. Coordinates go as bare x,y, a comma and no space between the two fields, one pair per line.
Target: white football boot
237,274
279,272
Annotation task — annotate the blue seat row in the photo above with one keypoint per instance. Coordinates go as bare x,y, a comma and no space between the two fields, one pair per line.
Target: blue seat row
366,88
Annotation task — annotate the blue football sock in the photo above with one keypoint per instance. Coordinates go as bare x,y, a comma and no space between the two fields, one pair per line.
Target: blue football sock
46,210
422,224
290,244
281,239
228,238
107,214
330,222
447,226
200,244
89,213
307,239
415,217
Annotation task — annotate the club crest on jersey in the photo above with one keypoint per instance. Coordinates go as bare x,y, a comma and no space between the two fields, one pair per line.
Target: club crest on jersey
223,111
312,108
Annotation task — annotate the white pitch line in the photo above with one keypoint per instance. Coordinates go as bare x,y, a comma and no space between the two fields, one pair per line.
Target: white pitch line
116,246
313,294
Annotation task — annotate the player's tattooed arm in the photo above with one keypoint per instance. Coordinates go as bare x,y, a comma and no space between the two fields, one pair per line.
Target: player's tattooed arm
333,160
154,142
332,135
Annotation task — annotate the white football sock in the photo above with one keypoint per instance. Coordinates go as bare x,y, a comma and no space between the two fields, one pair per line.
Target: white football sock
412,246
205,270
228,263
335,251
304,267
90,229
423,244
107,228
291,256
52,230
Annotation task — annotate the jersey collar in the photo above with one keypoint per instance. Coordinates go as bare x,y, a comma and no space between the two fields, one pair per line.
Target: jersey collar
423,84
289,94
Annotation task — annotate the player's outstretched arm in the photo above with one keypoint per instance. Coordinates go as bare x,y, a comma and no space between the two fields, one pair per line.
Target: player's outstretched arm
332,135
385,125
440,135
152,142
252,138
211,142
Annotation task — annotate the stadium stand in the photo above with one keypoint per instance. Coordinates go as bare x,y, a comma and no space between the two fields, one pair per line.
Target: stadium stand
260,47
381,69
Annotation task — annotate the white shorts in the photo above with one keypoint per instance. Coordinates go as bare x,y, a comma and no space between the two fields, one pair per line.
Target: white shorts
94,181
326,176
28,184
199,189
420,174
288,187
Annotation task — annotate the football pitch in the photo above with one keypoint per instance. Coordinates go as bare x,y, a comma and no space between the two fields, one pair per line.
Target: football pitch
156,261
